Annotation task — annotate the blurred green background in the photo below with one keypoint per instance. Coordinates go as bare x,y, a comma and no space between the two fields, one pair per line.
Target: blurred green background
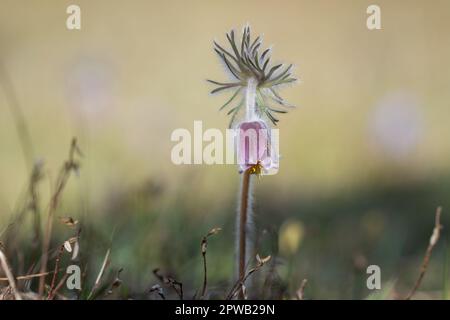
365,156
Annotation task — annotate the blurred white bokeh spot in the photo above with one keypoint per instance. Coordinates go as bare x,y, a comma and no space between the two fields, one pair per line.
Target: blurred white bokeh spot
396,124
89,85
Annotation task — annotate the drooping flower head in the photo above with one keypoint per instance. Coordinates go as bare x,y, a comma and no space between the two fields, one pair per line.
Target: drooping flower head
257,82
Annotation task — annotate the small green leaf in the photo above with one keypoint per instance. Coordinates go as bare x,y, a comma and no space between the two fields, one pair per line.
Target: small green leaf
231,99
224,88
277,111
273,69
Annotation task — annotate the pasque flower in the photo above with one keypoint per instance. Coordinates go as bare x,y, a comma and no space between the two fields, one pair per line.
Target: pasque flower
255,83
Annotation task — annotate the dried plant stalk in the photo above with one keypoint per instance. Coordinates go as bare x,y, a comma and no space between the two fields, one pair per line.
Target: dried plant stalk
69,166
204,245
239,286
29,276
105,264
55,273
12,283
301,291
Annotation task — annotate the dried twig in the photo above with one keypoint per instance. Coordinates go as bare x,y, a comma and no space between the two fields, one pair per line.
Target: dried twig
239,286
433,240
60,284
174,284
300,292
69,166
55,273
30,276
157,289
204,245
36,176
9,275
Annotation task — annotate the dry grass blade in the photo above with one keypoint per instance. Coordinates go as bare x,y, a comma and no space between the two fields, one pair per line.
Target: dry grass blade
433,240
100,274
301,291
69,166
9,275
204,245
36,176
29,276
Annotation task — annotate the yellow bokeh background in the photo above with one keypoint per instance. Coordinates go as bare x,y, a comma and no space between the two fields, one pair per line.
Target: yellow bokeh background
149,60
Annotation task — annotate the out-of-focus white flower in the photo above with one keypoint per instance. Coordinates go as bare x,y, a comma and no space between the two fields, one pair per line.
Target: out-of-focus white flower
89,88
396,124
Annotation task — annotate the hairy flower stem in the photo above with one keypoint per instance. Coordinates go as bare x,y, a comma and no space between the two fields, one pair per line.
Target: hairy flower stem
243,221
245,205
